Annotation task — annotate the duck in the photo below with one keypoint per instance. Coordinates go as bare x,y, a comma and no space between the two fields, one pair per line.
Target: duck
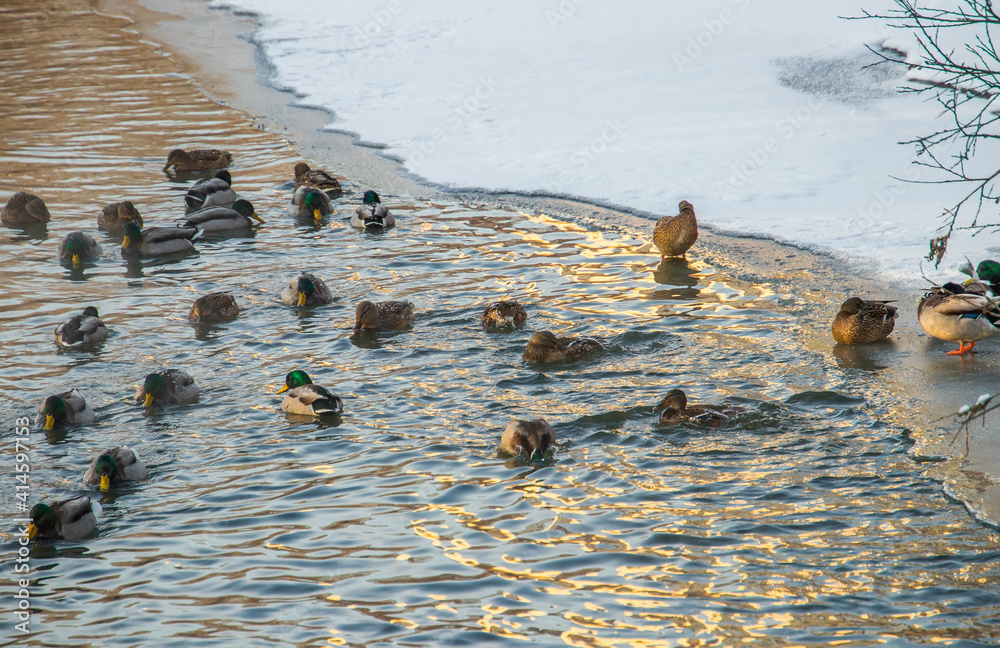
676,409
533,438
861,322
115,215
84,329
77,247
306,289
68,408
318,178
383,316
310,201
504,314
674,235
240,216
167,387
984,279
372,214
114,466
951,314
71,519
546,347
214,307
211,192
304,397
198,159
24,210
157,241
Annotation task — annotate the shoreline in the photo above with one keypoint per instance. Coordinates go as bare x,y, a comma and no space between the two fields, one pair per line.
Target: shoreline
922,386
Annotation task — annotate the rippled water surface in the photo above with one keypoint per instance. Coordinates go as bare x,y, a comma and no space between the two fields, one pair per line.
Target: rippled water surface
803,521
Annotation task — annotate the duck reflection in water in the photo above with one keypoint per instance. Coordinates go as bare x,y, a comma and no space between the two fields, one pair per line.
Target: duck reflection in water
676,272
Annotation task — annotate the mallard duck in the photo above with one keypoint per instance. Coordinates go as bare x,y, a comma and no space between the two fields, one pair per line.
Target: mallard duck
114,466
504,314
948,313
24,210
198,160
318,178
66,408
77,247
546,347
240,216
115,215
984,279
861,322
70,519
531,437
211,192
306,290
372,214
383,316
304,397
81,330
167,387
674,235
157,241
675,409
310,201
214,307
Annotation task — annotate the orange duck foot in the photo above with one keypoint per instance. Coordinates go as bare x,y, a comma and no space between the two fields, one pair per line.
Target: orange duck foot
962,349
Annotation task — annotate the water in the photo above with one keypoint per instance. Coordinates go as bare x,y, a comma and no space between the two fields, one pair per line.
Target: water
804,521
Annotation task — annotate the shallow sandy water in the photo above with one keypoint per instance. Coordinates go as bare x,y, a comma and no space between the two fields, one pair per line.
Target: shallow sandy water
804,521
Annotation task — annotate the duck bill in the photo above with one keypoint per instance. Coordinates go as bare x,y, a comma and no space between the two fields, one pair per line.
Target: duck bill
76,260
302,299
282,390
126,242
149,400
32,531
50,421
317,215
105,483
257,218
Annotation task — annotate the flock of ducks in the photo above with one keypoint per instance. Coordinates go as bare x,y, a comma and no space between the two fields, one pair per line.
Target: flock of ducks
963,313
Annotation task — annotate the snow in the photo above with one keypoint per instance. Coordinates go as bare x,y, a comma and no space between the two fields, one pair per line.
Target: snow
762,114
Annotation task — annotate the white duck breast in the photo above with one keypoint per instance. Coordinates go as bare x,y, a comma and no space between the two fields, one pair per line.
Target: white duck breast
957,318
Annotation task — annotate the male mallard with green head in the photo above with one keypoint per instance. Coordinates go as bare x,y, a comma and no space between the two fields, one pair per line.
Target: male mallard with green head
534,438
214,307
71,519
951,314
67,408
24,210
503,315
372,215
167,387
383,316
198,160
77,247
306,290
157,241
81,330
304,397
115,215
546,347
861,322
240,217
114,466
675,409
674,235
318,178
308,201
211,192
